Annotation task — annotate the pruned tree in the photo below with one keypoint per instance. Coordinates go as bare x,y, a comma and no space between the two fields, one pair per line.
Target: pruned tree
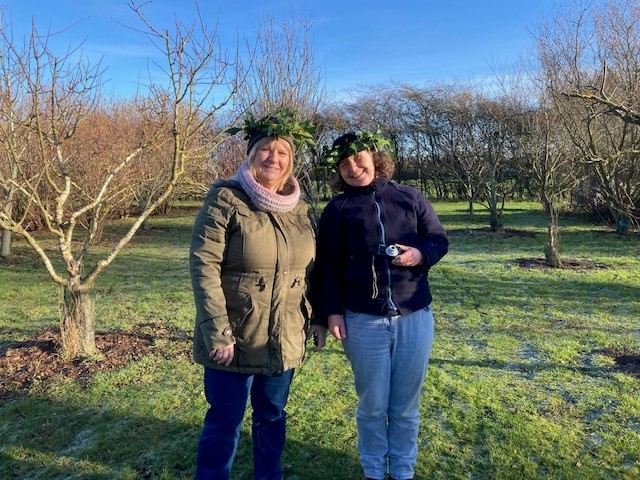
423,117
554,163
496,126
477,136
460,144
13,139
60,92
590,54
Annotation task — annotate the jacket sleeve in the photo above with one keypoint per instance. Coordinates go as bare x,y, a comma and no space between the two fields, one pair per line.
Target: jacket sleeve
432,237
326,278
208,242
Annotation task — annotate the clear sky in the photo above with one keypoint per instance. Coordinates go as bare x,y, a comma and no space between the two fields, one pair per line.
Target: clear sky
358,42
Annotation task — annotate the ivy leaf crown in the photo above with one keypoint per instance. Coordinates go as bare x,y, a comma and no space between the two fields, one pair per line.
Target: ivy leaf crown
365,140
280,123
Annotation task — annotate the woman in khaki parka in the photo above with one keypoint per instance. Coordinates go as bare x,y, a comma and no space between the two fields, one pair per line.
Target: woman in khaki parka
252,249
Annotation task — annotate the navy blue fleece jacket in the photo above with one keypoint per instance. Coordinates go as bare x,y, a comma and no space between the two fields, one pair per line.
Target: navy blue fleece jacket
350,273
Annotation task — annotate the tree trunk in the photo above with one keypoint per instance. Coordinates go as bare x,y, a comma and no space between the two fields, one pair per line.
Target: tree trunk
77,323
495,220
495,217
7,235
551,252
622,225
470,197
5,247
143,201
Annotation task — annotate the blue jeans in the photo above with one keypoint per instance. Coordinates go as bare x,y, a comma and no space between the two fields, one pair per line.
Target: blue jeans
389,357
227,394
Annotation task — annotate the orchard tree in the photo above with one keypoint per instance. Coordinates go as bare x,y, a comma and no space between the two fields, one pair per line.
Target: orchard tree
460,143
495,126
108,132
553,161
590,56
14,159
58,93
423,114
477,136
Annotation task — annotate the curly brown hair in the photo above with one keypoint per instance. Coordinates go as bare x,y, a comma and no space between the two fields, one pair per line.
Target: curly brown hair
382,162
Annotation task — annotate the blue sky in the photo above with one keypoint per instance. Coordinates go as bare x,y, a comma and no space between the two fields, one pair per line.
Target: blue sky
358,42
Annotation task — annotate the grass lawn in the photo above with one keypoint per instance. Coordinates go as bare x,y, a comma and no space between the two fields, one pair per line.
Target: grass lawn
526,379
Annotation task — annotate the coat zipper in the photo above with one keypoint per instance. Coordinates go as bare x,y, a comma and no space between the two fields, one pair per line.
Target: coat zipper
383,239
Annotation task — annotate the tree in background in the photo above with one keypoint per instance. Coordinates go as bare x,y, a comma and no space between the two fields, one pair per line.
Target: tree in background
459,142
282,73
14,141
590,55
423,117
554,163
57,95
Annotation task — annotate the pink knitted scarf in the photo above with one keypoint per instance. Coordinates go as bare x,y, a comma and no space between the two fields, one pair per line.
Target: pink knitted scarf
265,200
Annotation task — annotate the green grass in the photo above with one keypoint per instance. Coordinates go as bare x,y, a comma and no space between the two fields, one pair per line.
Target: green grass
519,383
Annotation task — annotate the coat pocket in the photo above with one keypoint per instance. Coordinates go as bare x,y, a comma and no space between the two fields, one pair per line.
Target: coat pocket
247,295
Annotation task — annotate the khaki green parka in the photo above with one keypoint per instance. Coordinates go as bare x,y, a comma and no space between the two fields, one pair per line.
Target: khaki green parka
249,272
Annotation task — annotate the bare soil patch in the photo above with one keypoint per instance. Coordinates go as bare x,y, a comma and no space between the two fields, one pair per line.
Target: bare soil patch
626,361
567,264
39,360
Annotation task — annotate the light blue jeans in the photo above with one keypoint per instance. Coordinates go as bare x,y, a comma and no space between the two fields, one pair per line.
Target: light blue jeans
389,357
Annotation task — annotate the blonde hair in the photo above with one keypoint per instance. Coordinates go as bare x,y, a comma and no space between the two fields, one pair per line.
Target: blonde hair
258,145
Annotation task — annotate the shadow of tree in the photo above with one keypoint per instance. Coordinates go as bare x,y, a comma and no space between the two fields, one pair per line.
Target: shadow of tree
45,438
628,364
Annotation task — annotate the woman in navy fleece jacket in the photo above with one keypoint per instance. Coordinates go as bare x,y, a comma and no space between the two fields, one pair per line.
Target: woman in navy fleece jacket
376,242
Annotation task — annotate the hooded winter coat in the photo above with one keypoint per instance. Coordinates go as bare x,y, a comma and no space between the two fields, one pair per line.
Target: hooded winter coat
249,271
352,271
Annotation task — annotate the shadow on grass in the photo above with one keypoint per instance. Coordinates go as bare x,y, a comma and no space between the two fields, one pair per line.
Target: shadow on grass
546,289
528,368
48,439
627,362
510,217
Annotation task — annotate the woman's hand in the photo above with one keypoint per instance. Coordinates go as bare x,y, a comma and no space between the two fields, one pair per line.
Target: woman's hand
410,256
222,355
319,334
337,326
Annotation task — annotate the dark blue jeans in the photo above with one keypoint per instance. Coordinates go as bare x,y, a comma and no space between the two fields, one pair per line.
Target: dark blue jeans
227,394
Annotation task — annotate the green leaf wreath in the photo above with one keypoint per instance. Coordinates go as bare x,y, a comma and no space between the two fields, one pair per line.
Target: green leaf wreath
281,123
372,141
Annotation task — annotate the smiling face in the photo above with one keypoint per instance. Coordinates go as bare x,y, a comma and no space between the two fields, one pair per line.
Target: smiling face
358,170
272,163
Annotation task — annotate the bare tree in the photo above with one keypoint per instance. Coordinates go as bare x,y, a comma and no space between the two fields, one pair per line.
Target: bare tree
590,54
477,137
61,92
553,161
460,144
13,139
283,72
423,117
